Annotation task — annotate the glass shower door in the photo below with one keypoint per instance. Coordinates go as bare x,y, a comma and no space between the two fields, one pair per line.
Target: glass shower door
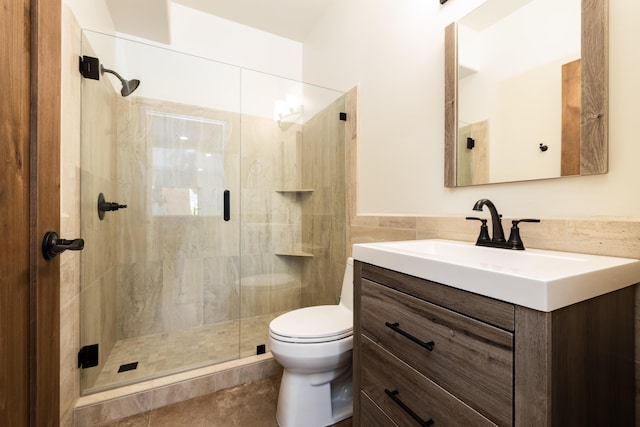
160,278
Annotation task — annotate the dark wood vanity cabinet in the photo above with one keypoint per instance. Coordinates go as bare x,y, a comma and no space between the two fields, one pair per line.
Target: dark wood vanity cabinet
430,354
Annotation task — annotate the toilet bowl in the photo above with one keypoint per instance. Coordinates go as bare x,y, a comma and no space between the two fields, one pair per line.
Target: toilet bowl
314,346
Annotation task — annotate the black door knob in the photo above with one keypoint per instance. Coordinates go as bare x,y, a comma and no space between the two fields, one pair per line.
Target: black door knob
53,245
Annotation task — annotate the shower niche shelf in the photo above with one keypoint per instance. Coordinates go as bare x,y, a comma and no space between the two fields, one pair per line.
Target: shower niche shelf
300,254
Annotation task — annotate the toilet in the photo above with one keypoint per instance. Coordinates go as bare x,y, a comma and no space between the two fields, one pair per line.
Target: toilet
314,345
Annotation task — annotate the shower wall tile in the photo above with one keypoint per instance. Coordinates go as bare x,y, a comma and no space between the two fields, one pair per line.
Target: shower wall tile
221,238
93,330
324,213
182,294
138,299
173,254
221,289
181,237
275,293
69,372
285,208
289,158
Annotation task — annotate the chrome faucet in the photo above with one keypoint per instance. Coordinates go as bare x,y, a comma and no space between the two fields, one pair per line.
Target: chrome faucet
497,235
497,240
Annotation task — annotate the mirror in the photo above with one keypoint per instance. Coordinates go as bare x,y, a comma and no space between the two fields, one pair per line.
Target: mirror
526,91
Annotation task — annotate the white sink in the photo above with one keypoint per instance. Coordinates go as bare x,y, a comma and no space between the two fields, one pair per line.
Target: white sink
534,278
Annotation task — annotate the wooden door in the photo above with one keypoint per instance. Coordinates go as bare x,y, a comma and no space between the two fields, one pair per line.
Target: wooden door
29,206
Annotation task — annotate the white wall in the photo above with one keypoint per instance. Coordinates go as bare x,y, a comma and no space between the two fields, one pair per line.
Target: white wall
92,14
205,35
225,41
395,50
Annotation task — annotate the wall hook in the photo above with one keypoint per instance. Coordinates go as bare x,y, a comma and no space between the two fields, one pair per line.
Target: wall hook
543,147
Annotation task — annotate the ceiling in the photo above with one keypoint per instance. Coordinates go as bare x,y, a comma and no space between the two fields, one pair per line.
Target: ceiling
292,19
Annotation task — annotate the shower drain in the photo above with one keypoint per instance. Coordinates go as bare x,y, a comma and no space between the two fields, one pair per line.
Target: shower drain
128,367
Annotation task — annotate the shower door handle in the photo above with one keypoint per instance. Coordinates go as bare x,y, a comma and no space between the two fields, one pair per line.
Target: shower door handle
53,245
227,208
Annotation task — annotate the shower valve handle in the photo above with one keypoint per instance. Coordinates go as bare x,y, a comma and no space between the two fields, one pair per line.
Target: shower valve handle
104,206
112,206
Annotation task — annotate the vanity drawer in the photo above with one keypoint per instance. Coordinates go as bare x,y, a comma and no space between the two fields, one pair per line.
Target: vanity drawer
390,383
487,310
470,359
371,415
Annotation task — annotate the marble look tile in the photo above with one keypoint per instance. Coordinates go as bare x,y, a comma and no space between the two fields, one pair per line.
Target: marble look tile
365,221
174,271
221,289
196,412
138,299
244,405
139,420
69,372
90,327
69,275
113,410
402,222
166,353
99,408
360,234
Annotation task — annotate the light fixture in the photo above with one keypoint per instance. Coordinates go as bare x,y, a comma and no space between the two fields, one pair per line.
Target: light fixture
287,108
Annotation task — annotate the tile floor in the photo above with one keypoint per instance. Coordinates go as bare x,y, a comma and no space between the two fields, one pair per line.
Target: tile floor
247,405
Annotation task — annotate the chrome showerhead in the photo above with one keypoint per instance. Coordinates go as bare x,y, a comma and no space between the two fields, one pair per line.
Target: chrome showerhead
128,86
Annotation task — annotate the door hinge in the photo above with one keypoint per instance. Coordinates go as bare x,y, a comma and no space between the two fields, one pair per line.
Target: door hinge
88,356
90,67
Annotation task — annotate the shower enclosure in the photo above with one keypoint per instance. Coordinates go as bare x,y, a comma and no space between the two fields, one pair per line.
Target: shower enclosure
227,195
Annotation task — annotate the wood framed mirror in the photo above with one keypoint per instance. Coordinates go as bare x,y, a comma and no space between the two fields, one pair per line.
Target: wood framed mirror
567,137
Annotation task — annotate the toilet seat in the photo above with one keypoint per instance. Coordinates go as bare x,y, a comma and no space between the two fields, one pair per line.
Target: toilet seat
316,324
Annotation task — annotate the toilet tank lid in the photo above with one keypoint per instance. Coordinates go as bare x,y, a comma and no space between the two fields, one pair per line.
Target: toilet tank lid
318,321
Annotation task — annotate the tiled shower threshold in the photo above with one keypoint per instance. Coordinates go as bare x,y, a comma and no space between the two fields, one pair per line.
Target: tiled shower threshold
144,396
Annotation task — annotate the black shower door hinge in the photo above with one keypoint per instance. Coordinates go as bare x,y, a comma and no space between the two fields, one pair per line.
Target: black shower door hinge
90,67
88,356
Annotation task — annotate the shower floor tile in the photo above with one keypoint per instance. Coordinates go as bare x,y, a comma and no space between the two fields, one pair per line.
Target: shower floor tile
164,354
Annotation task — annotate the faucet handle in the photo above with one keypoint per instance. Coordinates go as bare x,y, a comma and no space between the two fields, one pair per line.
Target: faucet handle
514,238
484,230
516,221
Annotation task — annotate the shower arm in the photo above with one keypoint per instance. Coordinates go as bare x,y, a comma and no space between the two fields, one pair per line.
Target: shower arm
106,70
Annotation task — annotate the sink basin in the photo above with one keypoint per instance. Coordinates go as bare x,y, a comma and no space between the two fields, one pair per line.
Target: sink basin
539,279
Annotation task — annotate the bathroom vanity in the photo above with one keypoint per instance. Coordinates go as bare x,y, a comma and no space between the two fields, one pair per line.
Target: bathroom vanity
437,339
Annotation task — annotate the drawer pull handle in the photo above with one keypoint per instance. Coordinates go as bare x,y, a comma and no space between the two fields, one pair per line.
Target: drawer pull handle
394,395
396,327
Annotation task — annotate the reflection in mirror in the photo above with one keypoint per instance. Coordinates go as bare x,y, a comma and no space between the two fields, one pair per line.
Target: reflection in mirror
513,84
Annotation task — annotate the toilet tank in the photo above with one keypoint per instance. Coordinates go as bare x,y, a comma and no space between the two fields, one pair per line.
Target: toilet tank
346,296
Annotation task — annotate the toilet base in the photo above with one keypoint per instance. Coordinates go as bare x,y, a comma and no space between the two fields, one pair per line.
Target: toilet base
307,400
